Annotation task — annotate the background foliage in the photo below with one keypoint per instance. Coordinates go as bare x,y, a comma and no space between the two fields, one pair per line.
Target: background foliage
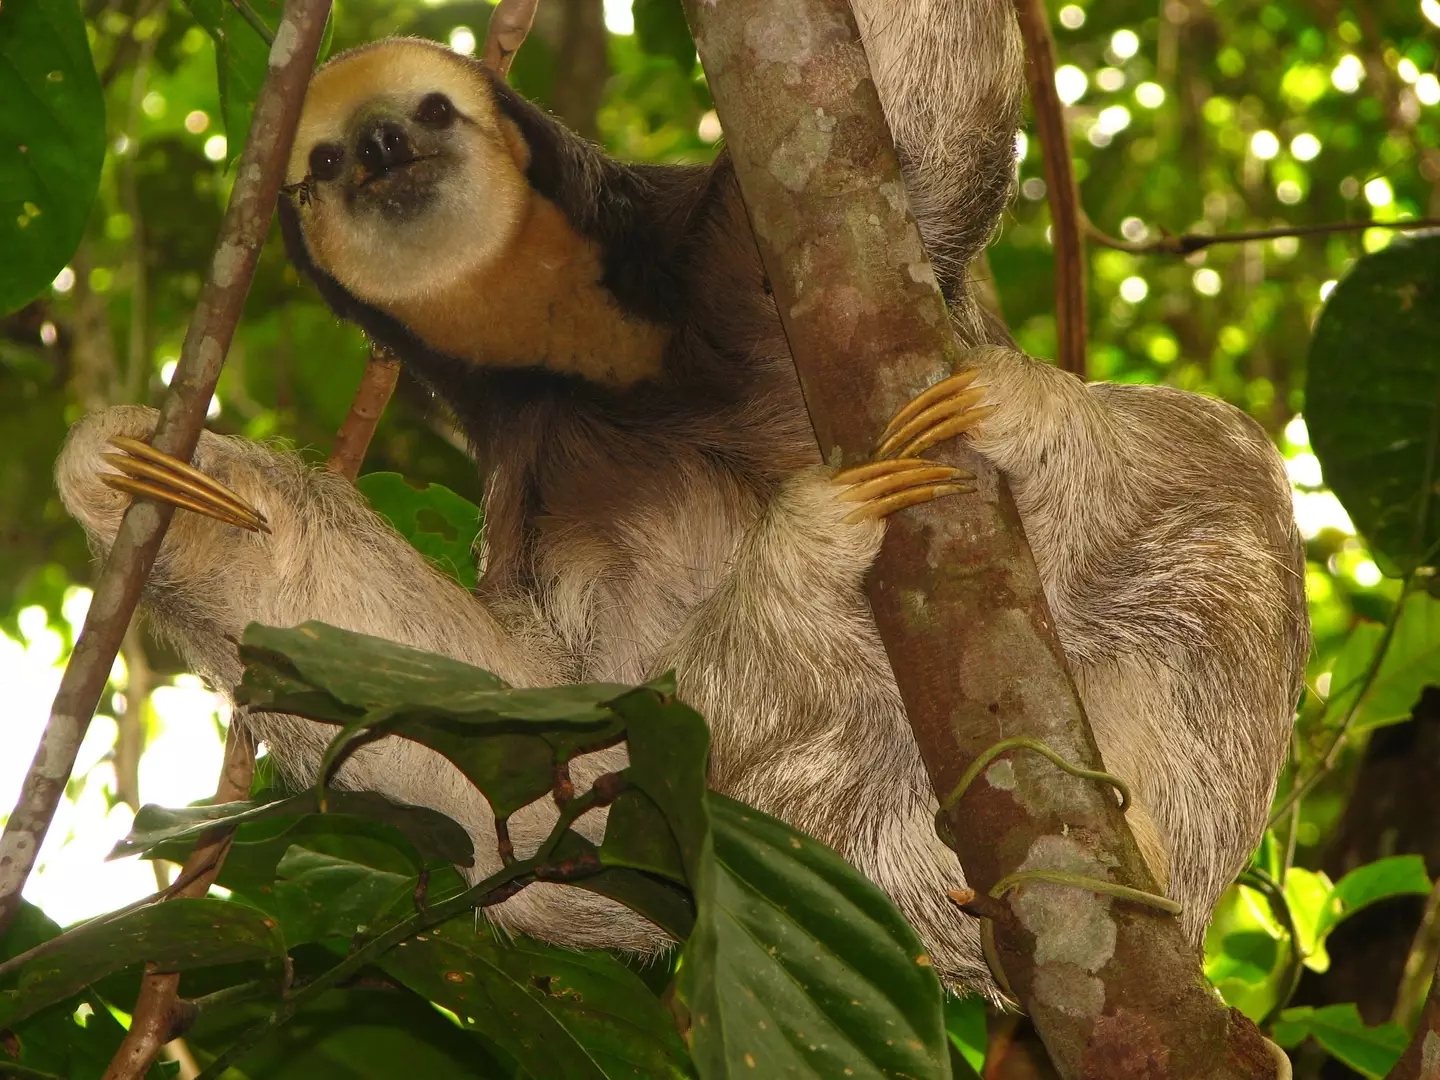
1187,116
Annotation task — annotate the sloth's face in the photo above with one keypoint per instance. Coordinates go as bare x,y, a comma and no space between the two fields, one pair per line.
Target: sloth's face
402,175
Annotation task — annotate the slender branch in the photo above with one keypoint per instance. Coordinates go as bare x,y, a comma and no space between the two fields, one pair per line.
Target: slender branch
1421,1060
1274,893
510,23
1188,243
956,596
1420,964
1067,233
182,415
1302,788
256,22
382,370
159,1015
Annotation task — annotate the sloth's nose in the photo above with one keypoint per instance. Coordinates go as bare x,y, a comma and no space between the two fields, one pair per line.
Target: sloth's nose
384,146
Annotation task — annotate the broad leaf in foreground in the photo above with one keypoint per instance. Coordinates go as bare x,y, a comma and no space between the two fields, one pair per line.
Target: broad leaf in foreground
801,968
562,1014
1373,398
1411,663
176,935
52,142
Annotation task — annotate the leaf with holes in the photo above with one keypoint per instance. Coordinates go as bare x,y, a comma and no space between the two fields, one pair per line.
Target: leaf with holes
1373,398
799,967
52,143
562,1014
440,524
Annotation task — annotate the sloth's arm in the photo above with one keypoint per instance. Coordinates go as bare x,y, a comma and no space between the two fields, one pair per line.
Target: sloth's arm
327,557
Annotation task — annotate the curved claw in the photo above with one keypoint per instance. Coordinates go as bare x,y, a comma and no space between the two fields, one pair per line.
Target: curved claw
883,487
156,475
941,412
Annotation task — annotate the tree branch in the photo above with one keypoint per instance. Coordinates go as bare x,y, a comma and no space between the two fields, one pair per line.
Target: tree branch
509,24
1067,233
1188,243
955,592
182,415
382,369
1421,1060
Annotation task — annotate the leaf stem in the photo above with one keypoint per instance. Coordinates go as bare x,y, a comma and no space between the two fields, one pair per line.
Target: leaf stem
252,17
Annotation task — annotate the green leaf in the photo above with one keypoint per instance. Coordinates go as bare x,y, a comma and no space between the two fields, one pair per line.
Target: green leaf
72,1039
1373,398
562,1014
1411,663
965,1026
319,896
52,143
1236,954
434,835
178,934
440,524
799,967
1397,875
351,1034
1308,894
242,57
1371,1051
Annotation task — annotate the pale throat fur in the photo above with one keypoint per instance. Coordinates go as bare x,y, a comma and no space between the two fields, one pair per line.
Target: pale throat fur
446,235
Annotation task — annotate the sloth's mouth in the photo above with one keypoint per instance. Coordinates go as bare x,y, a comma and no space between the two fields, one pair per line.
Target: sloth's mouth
392,171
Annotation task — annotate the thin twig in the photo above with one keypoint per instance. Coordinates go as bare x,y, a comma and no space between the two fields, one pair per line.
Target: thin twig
1420,964
1188,243
1302,788
510,22
382,370
1067,233
249,15
182,415
159,1016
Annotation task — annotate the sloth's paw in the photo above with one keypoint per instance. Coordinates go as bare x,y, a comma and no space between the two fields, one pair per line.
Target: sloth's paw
951,407
107,461
880,488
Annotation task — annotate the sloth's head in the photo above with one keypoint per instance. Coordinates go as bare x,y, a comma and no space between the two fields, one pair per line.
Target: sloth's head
404,175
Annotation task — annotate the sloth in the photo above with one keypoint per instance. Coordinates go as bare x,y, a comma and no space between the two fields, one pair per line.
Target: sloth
604,335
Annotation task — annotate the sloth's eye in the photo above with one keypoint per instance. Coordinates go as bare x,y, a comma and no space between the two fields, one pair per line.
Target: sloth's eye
325,161
435,111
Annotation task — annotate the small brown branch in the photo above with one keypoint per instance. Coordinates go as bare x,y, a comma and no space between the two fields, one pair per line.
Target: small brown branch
1419,964
1421,1060
182,415
1067,233
1188,243
955,593
159,1015
382,370
510,23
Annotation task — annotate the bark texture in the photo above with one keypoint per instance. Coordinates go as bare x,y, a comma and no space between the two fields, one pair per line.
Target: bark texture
1112,986
247,221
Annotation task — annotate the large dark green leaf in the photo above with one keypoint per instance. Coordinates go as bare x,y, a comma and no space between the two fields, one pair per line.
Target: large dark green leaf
177,934
52,142
562,1014
801,968
1373,398
319,896
440,524
356,1034
434,835
72,1039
